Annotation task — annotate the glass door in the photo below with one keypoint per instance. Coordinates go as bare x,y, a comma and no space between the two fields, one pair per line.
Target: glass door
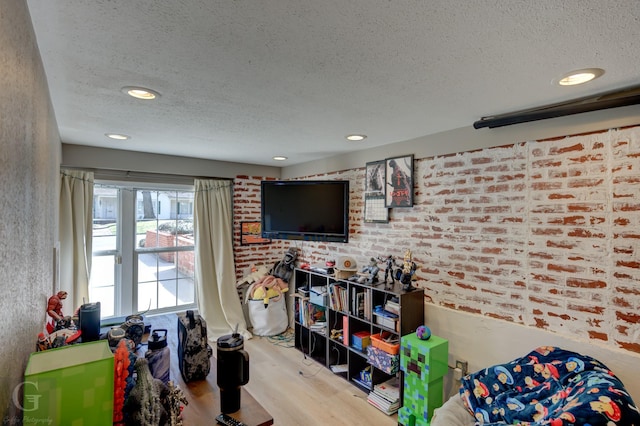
143,250
164,250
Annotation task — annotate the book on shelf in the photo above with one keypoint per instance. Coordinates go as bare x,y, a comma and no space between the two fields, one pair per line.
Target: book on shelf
387,322
380,311
318,327
308,313
317,313
357,302
361,382
385,318
367,304
345,330
393,307
339,368
337,298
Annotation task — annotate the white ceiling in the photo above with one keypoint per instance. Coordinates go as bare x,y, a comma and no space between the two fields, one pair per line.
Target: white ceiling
244,80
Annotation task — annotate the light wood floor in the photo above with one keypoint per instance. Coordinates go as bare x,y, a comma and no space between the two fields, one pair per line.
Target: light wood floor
293,390
299,391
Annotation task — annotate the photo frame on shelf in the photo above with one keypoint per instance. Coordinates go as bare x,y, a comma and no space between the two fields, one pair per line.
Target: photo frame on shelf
399,181
251,233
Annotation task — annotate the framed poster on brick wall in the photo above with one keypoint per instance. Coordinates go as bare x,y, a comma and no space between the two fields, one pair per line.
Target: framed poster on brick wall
251,233
399,182
374,202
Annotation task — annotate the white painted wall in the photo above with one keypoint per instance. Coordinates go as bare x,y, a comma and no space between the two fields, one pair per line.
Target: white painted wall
484,341
469,139
116,160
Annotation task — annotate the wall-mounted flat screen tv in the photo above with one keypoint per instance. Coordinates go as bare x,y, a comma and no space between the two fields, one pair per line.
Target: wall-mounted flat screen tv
313,210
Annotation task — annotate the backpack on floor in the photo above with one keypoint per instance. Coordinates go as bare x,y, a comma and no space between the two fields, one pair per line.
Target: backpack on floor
194,352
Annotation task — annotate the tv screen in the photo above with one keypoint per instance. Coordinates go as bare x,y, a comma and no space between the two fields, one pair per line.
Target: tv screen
306,210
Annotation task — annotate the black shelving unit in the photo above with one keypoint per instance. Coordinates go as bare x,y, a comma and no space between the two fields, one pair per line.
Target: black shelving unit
351,304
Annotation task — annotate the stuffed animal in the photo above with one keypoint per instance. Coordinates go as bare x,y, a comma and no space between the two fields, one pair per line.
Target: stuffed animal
284,268
256,273
266,288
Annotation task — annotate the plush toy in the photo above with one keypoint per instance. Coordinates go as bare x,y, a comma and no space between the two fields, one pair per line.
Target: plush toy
284,268
256,273
266,288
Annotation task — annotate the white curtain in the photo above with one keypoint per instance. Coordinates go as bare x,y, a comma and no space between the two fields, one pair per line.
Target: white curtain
218,300
76,218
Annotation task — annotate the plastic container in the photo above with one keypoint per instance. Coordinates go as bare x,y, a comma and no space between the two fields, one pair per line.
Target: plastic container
70,385
158,355
379,341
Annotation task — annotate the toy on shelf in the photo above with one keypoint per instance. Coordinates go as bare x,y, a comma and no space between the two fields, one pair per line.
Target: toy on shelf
388,272
405,275
368,274
54,310
54,305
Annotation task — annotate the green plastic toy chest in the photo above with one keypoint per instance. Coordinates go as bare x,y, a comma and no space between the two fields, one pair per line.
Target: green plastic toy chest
71,385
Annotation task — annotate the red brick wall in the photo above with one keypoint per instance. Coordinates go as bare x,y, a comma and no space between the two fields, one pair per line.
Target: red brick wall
165,239
544,234
246,208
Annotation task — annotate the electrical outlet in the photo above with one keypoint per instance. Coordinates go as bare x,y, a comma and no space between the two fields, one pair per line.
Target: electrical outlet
463,366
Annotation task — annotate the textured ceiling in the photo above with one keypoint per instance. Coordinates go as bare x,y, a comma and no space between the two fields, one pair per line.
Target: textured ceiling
244,80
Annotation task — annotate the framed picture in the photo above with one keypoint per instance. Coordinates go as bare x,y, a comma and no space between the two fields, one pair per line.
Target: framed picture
251,233
374,177
399,181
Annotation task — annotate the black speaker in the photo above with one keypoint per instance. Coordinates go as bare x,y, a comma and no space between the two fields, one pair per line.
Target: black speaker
89,318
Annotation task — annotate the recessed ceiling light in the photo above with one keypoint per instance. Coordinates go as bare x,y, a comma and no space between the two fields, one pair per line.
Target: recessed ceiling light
580,76
141,93
279,158
117,136
356,138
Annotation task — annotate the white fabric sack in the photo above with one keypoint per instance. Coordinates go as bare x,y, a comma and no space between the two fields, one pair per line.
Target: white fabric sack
271,320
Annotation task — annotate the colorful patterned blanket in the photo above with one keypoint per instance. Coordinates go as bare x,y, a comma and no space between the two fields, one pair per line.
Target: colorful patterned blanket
549,386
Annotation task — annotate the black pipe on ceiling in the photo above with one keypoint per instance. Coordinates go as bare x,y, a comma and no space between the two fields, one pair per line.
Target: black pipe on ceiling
614,99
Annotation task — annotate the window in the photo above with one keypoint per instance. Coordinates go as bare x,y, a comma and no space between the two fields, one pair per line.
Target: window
143,255
164,250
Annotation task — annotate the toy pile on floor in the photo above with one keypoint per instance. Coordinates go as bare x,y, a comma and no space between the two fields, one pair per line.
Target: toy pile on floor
143,393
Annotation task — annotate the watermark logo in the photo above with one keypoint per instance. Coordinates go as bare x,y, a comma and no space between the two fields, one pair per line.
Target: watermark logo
32,399
31,403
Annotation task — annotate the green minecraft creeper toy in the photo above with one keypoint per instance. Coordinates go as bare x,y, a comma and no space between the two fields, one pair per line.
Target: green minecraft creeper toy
424,364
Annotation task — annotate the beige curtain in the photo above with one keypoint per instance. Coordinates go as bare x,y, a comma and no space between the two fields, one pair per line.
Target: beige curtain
218,300
76,218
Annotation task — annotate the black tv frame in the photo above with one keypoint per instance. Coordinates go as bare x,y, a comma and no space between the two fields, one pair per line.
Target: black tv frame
310,188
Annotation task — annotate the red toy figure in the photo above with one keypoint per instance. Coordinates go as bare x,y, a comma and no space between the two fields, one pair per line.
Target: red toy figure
54,310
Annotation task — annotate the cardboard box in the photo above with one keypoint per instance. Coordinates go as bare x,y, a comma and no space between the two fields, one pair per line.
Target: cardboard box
318,296
382,360
388,322
361,340
71,385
